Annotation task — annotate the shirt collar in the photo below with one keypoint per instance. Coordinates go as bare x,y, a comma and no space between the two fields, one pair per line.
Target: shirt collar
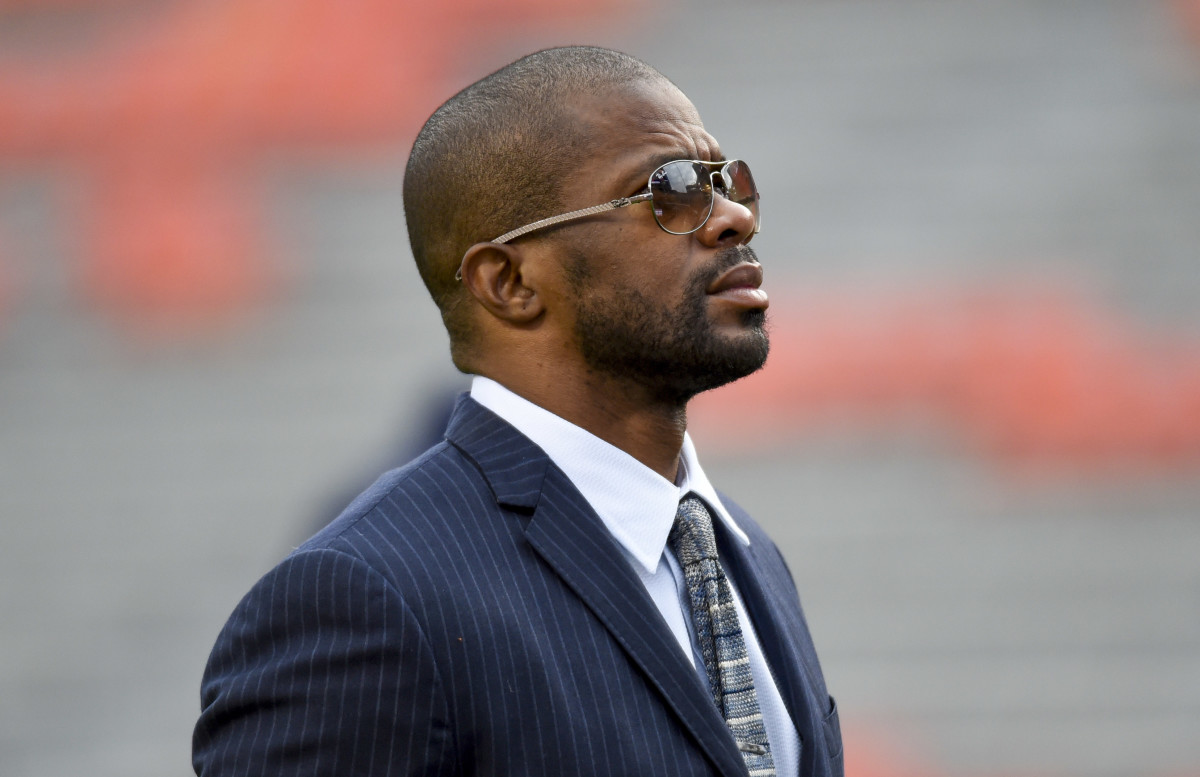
636,504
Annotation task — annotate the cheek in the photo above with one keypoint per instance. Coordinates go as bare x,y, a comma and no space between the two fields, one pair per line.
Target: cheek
637,257
661,262
657,280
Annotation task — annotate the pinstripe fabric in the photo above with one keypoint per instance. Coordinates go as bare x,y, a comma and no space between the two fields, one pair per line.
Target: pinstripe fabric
468,615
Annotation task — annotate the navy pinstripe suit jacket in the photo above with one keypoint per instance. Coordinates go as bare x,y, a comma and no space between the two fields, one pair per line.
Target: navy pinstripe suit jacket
469,615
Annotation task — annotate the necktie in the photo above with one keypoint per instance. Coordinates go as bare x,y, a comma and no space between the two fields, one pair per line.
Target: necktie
722,647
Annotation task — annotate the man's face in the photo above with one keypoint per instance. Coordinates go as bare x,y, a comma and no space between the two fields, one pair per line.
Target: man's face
676,314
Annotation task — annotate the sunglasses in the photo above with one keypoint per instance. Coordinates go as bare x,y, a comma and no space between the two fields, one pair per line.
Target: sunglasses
681,193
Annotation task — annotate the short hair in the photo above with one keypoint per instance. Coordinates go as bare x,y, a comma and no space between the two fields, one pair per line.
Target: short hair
494,157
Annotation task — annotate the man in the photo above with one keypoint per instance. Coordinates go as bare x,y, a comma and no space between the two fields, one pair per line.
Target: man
556,589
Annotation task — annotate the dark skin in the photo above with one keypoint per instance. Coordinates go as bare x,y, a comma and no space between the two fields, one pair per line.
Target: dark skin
525,309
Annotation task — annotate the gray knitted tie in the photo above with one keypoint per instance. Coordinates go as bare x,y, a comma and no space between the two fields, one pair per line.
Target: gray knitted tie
719,634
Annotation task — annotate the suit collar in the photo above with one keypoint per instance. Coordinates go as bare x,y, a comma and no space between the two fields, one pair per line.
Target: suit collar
636,504
512,465
571,539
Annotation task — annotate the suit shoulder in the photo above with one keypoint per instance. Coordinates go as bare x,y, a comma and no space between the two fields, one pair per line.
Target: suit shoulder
434,479
415,522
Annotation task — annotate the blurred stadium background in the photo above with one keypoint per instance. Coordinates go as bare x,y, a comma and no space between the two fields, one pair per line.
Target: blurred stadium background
977,439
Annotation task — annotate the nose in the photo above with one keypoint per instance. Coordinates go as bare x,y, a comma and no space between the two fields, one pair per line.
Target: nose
730,223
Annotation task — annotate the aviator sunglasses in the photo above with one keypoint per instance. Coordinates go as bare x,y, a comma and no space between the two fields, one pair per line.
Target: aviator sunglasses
681,193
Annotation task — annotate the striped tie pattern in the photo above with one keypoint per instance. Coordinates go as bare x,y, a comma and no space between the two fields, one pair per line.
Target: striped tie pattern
720,636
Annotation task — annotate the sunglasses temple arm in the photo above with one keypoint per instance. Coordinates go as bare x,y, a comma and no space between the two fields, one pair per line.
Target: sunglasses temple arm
621,202
575,214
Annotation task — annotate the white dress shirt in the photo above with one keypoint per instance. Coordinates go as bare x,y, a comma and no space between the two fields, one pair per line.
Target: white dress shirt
638,507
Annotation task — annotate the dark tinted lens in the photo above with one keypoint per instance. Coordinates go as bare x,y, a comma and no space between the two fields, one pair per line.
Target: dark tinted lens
740,188
682,196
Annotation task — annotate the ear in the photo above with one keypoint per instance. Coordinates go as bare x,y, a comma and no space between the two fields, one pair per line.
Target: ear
493,273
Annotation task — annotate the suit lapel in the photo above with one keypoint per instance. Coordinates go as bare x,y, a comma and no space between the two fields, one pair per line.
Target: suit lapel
768,610
569,536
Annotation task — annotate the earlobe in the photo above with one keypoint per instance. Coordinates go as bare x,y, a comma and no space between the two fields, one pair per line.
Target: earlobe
494,274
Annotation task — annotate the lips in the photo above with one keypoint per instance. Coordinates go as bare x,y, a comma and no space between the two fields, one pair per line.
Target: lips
745,275
741,284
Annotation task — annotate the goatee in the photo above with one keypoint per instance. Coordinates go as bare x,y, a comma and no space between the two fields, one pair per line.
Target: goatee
677,352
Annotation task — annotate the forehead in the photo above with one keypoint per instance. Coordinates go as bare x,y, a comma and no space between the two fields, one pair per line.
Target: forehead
641,125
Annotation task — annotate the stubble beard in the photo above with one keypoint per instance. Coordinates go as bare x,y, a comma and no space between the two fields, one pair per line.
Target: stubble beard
673,353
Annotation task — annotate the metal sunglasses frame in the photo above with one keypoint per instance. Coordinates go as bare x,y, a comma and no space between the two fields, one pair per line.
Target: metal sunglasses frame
718,168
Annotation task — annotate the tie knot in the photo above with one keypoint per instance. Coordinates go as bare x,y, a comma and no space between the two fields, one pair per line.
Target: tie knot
692,536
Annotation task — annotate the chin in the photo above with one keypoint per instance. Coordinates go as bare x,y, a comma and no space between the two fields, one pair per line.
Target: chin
735,358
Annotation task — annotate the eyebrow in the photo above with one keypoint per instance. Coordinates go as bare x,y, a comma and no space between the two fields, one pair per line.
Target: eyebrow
658,160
